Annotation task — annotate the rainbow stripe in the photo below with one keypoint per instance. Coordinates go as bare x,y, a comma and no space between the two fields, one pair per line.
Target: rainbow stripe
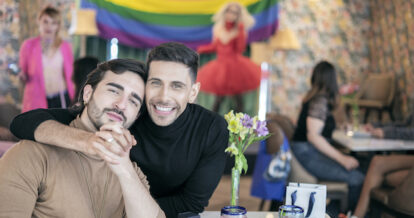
147,23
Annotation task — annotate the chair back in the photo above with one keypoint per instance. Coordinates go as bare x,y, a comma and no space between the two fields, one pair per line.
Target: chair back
278,126
378,87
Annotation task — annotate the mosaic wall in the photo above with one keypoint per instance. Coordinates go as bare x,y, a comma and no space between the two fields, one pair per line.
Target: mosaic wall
17,23
332,30
392,48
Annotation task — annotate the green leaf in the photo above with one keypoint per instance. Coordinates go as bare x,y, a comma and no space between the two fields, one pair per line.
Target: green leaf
244,161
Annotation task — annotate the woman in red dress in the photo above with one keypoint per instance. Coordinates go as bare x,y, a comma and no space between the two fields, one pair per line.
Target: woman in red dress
231,73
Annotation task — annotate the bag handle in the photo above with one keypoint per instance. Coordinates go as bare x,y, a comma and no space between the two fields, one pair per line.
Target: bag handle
310,204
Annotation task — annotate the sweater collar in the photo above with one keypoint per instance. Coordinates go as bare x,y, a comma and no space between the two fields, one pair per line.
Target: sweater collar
174,127
78,124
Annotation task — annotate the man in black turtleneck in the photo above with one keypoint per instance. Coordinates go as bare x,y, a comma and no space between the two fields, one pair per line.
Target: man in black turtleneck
180,144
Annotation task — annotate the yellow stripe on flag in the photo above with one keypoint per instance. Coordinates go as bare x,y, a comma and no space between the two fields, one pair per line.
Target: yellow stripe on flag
177,6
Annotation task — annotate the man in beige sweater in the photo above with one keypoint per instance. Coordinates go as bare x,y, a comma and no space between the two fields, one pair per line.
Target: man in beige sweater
38,180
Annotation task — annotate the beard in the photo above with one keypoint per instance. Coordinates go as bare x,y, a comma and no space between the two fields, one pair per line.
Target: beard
95,114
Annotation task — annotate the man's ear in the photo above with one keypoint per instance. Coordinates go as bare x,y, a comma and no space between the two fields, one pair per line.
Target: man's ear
87,94
195,88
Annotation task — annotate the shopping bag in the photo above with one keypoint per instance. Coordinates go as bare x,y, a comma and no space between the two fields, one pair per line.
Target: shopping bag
279,167
311,197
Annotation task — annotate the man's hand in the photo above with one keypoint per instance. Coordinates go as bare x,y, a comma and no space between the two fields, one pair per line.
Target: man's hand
111,143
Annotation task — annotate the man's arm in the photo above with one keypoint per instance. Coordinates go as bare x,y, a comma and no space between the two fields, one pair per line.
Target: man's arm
135,189
24,125
21,173
199,187
49,126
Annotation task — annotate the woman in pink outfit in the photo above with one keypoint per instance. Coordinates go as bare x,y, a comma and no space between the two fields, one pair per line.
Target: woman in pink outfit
46,64
231,73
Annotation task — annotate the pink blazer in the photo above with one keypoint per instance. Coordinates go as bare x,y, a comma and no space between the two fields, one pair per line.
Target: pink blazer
31,65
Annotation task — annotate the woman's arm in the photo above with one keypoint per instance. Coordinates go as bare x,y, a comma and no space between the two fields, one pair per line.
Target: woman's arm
314,127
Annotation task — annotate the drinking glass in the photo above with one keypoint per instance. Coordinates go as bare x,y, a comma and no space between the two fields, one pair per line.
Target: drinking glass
291,211
233,212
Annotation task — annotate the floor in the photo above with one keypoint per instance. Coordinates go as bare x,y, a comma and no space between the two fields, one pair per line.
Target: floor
221,197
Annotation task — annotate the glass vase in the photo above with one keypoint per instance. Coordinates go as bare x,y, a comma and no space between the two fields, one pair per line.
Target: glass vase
235,184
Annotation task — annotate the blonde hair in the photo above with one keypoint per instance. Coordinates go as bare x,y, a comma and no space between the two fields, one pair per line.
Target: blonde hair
55,14
244,16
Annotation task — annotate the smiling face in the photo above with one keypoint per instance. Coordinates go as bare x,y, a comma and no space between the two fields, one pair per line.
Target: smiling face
168,91
48,27
116,98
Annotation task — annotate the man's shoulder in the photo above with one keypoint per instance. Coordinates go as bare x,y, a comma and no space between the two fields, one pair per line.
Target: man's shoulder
32,149
204,113
207,117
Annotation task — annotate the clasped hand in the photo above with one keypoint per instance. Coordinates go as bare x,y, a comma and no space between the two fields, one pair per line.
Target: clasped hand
112,143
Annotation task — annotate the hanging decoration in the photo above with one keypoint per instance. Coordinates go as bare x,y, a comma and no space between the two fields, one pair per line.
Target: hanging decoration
147,23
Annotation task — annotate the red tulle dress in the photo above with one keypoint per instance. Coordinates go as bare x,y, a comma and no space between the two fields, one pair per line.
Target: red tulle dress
231,73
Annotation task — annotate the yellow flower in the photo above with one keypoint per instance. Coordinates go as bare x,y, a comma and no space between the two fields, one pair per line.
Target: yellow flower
229,116
234,126
243,132
232,149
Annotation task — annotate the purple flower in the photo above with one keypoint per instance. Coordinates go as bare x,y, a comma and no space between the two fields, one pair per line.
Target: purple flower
261,128
247,121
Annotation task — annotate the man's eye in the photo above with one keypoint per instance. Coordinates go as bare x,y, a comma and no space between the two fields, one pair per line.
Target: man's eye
155,83
113,91
177,86
134,102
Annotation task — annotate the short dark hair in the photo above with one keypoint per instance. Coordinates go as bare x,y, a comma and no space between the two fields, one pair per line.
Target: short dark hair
117,66
81,68
175,52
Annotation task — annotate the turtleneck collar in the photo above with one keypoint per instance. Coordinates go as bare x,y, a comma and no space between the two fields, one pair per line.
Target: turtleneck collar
174,127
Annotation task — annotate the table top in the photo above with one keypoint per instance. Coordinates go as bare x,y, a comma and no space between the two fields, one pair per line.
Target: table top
249,214
367,143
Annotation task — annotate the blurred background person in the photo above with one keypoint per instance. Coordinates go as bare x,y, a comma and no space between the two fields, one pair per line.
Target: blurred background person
46,63
311,141
81,68
231,73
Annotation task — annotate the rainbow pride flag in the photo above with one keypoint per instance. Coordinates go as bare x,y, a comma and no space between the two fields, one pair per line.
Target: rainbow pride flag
147,23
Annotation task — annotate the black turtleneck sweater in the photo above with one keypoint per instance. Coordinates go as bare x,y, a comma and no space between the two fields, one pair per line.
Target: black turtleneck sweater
183,161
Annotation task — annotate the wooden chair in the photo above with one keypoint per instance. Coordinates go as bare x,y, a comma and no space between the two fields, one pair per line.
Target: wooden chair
376,93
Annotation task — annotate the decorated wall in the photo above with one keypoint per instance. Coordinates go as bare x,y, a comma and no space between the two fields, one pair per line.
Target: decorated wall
392,48
17,23
332,30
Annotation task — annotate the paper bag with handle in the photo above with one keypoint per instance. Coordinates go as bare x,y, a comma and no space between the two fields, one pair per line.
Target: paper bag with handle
311,197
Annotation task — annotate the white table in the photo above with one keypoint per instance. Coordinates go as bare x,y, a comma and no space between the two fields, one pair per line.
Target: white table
357,144
249,214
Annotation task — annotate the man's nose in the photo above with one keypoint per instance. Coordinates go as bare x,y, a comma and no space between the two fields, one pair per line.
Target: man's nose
164,92
121,102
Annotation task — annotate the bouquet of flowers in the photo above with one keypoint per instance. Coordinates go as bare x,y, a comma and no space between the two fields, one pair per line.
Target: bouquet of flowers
244,131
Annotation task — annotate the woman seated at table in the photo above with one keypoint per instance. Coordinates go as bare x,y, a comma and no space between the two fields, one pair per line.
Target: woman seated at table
315,125
393,169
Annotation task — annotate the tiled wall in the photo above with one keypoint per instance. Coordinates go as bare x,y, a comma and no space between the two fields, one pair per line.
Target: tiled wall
332,30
